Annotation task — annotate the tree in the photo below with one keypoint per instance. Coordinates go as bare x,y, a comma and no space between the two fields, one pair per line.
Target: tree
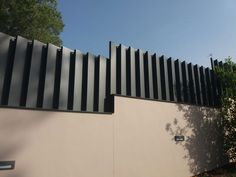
227,77
33,19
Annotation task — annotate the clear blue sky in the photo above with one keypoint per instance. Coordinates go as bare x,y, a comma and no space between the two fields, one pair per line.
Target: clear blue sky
186,29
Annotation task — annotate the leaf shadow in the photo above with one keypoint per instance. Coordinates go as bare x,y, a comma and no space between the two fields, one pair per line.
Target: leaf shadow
203,137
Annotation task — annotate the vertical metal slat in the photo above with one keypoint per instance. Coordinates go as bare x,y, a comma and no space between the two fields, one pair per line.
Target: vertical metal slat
34,75
4,50
203,86
150,74
179,81
209,87
102,83
123,70
132,72
164,79
17,72
154,74
113,78
141,67
146,75
192,86
159,78
50,76
198,85
64,84
185,77
90,82
78,81
171,77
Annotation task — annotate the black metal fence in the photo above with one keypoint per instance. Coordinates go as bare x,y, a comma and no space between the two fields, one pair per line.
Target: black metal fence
38,75
141,74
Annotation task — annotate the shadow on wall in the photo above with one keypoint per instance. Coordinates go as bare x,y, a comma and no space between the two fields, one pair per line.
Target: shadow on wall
14,137
203,137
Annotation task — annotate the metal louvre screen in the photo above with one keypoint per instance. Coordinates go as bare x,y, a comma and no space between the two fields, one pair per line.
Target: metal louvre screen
43,76
37,75
144,75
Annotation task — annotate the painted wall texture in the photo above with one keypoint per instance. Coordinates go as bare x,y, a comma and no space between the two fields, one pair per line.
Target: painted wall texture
136,141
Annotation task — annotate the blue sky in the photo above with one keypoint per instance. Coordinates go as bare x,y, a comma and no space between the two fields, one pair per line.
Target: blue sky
189,30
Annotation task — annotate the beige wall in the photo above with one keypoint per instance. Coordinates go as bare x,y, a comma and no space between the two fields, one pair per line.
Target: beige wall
135,141
56,144
144,139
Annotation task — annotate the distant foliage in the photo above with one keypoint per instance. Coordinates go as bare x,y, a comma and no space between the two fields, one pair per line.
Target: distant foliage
227,76
33,19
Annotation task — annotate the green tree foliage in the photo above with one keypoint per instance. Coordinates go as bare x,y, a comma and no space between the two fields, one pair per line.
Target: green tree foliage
33,19
227,76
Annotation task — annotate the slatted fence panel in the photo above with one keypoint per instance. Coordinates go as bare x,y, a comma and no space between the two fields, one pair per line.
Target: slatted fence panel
38,75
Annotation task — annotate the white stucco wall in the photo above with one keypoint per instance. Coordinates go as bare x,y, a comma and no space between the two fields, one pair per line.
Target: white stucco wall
135,141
